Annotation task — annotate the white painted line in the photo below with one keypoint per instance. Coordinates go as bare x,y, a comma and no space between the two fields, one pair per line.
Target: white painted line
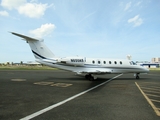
155,100
152,95
142,83
152,89
67,100
18,80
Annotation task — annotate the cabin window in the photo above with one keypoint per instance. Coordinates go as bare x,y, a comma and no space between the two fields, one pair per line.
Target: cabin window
121,62
104,62
93,61
115,62
99,62
110,62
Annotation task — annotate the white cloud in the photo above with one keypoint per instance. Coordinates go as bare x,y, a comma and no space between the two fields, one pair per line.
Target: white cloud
33,10
137,21
10,4
128,5
4,13
29,9
44,30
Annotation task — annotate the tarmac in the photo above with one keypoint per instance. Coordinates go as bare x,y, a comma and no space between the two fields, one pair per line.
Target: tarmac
61,95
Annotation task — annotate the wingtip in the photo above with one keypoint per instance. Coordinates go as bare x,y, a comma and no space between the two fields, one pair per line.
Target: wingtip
10,32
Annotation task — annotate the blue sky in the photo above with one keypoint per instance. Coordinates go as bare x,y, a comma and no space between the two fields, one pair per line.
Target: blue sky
89,28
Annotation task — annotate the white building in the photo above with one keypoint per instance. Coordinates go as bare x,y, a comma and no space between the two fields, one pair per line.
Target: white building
156,60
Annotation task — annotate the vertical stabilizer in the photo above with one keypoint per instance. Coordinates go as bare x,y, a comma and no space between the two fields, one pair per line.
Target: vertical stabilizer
39,49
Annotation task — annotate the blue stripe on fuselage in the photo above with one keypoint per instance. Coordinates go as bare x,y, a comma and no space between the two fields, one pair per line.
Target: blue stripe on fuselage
39,55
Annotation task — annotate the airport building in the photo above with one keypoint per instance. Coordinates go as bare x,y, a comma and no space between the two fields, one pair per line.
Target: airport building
150,65
155,63
156,60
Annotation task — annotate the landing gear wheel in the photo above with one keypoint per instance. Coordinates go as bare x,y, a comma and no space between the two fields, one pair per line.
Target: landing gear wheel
89,77
137,77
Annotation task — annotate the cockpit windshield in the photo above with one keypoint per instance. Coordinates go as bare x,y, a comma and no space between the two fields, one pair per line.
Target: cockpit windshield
132,63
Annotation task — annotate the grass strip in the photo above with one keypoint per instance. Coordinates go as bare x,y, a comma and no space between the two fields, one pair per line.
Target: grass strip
26,68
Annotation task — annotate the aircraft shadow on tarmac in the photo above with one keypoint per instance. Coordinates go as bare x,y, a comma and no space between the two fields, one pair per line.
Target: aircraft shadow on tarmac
98,80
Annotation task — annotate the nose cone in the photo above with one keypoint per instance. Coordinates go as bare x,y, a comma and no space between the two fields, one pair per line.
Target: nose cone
146,70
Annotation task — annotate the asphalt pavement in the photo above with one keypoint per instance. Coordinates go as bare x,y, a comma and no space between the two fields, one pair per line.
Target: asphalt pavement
61,95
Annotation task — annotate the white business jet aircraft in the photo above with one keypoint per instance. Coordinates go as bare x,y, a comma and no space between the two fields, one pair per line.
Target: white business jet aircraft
90,67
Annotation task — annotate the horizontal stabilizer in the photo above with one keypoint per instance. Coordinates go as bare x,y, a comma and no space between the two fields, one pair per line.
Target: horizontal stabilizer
25,37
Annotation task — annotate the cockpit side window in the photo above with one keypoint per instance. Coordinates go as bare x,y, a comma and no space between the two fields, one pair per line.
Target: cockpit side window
132,63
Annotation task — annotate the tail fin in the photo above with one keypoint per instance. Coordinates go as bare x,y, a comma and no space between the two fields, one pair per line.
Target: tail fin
39,49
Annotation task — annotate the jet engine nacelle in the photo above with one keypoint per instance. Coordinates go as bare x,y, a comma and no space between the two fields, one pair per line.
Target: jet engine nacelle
75,61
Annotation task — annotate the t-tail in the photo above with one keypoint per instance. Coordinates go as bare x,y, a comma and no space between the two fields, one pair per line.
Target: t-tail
39,49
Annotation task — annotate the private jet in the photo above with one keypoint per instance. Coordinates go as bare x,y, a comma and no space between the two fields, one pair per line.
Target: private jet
89,67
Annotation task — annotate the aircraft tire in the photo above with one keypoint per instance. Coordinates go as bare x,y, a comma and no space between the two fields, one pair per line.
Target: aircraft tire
137,77
87,77
91,78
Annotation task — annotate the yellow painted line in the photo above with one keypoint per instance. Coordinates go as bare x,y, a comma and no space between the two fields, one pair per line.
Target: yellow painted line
152,95
149,101
150,88
155,100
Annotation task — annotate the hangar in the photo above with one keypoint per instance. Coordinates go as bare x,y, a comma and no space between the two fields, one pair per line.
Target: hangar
150,65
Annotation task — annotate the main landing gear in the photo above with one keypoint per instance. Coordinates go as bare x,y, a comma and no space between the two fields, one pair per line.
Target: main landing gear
137,75
90,77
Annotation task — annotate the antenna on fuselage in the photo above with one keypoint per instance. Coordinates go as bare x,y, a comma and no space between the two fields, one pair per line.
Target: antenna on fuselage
129,57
